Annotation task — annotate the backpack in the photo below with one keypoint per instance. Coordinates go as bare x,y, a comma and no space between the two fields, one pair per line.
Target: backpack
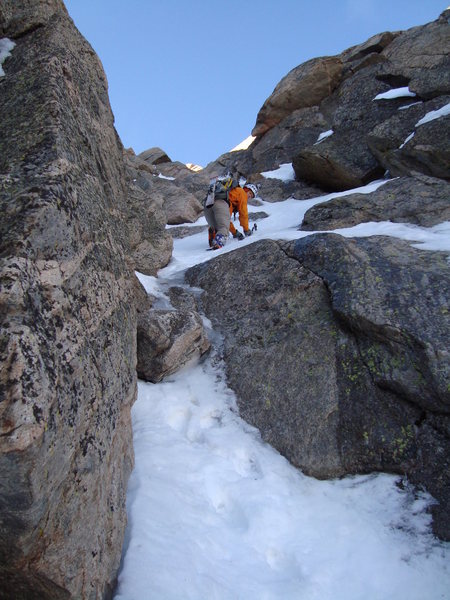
219,188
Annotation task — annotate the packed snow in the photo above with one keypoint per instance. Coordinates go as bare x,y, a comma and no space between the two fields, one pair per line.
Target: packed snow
6,46
244,144
323,136
216,514
285,172
409,105
402,92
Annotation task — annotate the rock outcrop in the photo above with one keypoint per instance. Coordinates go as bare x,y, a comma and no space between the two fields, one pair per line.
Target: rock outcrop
347,158
418,200
306,85
346,340
175,189
154,156
68,317
367,134
170,337
344,347
149,244
408,143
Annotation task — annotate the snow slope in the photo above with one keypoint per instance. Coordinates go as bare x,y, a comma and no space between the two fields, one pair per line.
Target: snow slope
216,514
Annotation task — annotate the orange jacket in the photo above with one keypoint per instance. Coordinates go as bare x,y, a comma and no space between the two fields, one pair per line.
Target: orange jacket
238,202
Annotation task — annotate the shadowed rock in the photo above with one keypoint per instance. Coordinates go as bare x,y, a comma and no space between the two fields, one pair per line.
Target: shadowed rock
154,156
175,189
168,339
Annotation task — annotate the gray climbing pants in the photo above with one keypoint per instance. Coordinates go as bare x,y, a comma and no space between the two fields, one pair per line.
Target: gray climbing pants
218,217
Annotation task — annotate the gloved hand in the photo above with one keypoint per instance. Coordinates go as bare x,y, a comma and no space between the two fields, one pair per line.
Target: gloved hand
248,232
238,235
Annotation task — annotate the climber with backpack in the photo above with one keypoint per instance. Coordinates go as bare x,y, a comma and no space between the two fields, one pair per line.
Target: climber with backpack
238,206
224,197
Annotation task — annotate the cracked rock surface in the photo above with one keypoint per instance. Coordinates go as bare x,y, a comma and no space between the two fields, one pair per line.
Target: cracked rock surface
337,350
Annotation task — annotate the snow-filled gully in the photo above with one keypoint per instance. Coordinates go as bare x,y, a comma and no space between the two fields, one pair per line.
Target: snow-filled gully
215,513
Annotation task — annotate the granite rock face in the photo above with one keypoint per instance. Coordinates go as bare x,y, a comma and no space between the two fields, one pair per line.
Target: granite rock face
263,315
154,156
337,348
149,244
68,317
408,143
417,59
339,354
347,339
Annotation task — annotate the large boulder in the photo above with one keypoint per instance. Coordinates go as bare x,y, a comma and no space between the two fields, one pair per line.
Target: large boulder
68,317
239,162
418,200
154,156
343,160
276,190
169,338
337,351
179,205
277,359
374,45
196,183
394,383
426,152
340,91
306,85
150,244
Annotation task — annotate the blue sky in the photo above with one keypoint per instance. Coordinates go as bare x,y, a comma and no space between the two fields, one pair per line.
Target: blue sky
190,77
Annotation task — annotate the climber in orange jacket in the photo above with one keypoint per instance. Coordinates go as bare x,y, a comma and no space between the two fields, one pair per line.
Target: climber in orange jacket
218,215
238,198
